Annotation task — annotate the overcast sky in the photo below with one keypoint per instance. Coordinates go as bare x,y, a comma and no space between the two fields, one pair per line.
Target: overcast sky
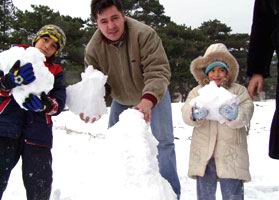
236,14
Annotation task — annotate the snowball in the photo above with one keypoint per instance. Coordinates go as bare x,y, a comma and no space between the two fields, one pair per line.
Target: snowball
44,78
212,97
129,161
87,96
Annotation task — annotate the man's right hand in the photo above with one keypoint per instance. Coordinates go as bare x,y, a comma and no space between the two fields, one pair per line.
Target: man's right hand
87,119
255,85
145,106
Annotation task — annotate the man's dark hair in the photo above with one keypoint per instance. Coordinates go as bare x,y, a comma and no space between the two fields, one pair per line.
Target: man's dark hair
97,7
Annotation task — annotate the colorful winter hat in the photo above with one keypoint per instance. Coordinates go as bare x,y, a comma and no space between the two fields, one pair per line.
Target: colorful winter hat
54,32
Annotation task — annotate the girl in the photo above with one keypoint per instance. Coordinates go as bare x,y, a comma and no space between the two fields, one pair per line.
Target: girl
219,151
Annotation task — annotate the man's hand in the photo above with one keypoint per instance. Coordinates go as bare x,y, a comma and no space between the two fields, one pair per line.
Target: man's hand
145,107
255,85
87,119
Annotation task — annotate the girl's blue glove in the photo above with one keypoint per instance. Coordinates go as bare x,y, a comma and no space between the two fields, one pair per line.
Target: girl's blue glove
199,113
230,112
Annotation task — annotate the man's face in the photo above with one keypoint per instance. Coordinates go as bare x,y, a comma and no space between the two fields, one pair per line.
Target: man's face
111,23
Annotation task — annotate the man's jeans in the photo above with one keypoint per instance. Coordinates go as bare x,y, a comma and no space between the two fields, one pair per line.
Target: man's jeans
232,189
162,130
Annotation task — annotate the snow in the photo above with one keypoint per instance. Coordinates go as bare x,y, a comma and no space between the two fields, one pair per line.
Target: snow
44,79
80,151
93,102
129,158
212,97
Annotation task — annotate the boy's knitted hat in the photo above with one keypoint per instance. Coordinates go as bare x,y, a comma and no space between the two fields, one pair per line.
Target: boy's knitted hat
215,53
216,64
54,32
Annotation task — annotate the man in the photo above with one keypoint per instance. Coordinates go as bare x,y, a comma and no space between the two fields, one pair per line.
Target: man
264,40
132,55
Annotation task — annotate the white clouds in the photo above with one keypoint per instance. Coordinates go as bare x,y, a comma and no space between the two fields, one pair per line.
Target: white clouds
65,7
235,14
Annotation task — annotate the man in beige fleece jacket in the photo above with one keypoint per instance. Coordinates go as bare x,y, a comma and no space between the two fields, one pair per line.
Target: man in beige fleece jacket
131,54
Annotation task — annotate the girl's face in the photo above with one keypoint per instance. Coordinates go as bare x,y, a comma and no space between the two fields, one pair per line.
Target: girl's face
47,46
218,75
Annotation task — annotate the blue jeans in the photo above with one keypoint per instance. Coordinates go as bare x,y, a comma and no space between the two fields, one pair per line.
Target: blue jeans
162,130
232,189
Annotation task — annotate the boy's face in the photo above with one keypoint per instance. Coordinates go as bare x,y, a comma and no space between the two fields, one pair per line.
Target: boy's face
47,46
218,75
111,23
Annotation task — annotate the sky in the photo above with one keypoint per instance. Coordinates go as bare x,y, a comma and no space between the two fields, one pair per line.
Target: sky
236,14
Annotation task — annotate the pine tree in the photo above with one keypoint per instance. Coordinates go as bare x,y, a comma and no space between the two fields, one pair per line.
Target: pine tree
150,12
7,14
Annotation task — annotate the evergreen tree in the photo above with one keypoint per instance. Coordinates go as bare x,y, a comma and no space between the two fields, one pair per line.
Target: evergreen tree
77,36
7,11
150,12
182,43
215,30
27,23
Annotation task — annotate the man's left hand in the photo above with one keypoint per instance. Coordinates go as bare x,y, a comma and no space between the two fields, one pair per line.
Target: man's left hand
87,119
145,107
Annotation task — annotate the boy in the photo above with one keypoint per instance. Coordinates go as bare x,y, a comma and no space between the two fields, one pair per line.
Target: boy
219,151
28,133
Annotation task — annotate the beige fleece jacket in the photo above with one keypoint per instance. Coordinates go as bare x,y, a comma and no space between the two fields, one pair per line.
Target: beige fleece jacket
136,67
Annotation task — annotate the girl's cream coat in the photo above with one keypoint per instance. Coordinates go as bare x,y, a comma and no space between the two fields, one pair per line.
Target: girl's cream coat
225,142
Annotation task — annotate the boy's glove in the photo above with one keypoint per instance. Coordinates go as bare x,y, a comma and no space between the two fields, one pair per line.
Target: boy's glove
199,113
230,112
35,104
18,75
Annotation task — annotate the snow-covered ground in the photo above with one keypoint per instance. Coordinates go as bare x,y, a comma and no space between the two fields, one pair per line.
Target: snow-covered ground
78,147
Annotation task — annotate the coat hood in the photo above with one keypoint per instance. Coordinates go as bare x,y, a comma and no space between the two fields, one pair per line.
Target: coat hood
215,52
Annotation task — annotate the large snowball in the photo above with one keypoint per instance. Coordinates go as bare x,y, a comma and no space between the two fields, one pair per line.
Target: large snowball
212,97
44,78
87,96
127,163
